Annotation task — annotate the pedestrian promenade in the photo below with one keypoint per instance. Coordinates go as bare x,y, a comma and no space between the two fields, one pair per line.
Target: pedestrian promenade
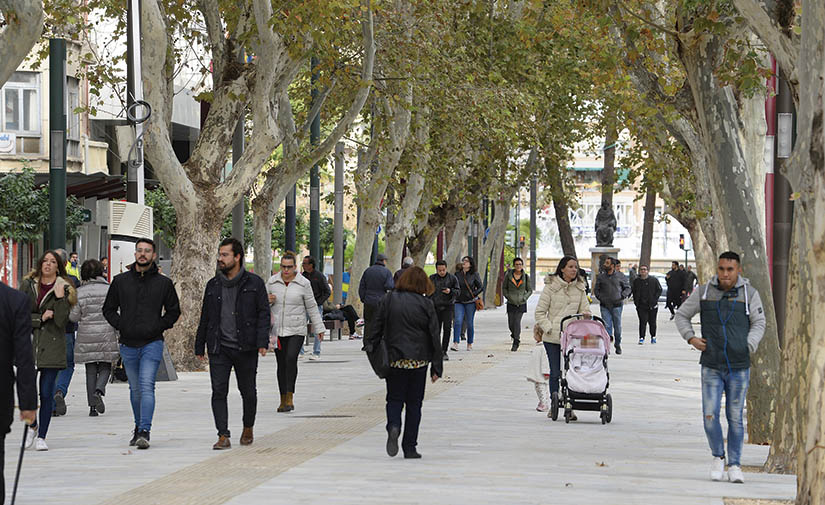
482,440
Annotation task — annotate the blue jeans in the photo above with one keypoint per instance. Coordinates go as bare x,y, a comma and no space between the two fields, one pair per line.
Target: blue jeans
735,386
65,375
554,356
316,346
141,364
613,321
48,380
464,311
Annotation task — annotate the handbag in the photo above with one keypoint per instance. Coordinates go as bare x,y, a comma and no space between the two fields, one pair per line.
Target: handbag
479,302
378,354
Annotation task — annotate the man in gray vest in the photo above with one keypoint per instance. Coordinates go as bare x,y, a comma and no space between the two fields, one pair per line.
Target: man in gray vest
733,323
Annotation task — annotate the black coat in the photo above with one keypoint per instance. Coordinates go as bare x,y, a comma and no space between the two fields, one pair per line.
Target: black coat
675,283
15,350
141,306
251,315
375,282
449,281
410,326
467,295
320,286
653,288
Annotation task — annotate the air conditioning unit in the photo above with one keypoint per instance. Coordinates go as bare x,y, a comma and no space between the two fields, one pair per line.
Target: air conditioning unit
130,219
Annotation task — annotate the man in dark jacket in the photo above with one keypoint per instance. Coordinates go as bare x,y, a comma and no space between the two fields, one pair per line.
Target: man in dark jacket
141,305
646,291
321,292
675,288
15,351
690,281
376,281
733,324
233,329
446,290
405,264
611,288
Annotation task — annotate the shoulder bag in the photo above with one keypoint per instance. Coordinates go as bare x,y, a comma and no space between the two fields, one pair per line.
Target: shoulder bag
478,301
378,355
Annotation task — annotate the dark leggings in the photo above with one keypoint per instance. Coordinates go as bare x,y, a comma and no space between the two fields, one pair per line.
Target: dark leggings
351,316
287,355
48,386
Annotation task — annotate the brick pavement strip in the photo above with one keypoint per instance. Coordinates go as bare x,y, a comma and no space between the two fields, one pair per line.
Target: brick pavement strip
223,477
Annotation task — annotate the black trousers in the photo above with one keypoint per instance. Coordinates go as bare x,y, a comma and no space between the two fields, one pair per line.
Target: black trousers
351,316
246,370
673,303
6,417
445,322
370,311
514,323
647,317
405,388
287,357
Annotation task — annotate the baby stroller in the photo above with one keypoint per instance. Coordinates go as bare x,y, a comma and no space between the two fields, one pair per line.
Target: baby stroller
584,379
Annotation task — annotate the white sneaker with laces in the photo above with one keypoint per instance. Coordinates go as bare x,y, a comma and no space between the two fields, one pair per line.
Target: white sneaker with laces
717,469
30,436
735,475
40,444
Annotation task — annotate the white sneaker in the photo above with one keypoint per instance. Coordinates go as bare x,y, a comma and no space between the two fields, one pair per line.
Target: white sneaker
735,475
717,469
40,444
314,357
30,436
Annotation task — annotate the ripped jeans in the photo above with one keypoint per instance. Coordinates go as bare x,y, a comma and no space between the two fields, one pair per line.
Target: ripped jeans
735,386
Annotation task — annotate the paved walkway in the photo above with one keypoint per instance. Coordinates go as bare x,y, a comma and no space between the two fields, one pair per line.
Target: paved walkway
481,438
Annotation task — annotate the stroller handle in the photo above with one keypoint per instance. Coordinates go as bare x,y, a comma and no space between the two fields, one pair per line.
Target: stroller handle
579,316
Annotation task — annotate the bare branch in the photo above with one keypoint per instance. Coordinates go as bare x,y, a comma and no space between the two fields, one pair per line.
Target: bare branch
784,46
217,39
648,22
23,28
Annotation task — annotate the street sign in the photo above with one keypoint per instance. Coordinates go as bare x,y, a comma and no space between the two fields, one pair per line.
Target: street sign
87,215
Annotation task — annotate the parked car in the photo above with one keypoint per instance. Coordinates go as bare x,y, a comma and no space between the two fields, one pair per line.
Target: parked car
663,282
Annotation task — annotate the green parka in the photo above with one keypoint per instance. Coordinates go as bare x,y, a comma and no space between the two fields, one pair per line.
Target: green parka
516,293
49,336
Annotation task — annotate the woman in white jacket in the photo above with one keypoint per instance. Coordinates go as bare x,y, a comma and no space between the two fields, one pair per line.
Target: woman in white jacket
290,301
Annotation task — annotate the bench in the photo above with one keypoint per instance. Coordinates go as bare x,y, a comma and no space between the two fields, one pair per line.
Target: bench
335,327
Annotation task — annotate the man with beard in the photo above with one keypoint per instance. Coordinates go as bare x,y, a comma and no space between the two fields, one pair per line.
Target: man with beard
141,304
675,288
233,329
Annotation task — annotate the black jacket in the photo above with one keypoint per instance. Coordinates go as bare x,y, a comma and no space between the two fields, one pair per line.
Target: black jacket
141,306
449,281
611,289
15,350
375,282
251,315
675,283
320,286
475,286
651,286
410,326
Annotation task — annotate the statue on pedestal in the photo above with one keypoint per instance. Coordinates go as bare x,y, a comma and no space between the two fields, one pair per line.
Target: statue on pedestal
605,225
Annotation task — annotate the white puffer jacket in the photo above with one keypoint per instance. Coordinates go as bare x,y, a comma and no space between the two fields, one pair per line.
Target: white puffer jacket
559,299
292,304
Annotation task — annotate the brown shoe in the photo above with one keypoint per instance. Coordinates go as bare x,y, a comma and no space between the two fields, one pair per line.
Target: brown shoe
222,443
246,436
282,406
289,405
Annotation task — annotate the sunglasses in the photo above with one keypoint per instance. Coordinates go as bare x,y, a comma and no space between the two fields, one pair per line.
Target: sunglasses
287,267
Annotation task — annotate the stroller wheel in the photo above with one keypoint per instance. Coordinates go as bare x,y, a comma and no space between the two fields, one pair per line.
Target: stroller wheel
609,413
567,415
554,406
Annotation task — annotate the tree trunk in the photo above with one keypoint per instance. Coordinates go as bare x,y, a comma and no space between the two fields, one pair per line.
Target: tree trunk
495,239
398,230
706,259
720,129
421,242
193,264
560,205
263,214
19,34
647,227
457,244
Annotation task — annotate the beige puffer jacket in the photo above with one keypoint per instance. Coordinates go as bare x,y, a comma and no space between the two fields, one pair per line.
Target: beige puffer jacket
292,305
559,299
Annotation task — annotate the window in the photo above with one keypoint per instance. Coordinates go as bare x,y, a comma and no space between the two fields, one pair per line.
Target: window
21,104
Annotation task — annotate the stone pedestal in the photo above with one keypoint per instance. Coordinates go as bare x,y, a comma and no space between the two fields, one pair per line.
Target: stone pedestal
597,256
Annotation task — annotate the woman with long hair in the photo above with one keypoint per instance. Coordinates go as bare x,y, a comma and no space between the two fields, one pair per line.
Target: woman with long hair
562,296
408,323
96,343
52,296
470,287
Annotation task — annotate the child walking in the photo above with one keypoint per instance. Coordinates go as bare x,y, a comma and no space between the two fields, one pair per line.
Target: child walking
538,371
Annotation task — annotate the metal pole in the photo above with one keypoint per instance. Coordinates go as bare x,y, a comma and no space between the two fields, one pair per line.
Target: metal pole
289,221
439,245
338,251
238,212
57,143
770,163
315,178
134,92
533,260
782,204
470,237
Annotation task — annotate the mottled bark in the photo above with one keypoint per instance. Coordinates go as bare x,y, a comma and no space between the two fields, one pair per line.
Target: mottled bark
560,193
494,246
23,21
647,227
457,243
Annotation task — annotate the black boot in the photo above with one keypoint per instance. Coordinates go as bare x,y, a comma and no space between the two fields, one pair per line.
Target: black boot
392,440
515,345
134,437
93,411
412,454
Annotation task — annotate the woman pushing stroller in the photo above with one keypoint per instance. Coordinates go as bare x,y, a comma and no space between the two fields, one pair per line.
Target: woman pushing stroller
563,295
